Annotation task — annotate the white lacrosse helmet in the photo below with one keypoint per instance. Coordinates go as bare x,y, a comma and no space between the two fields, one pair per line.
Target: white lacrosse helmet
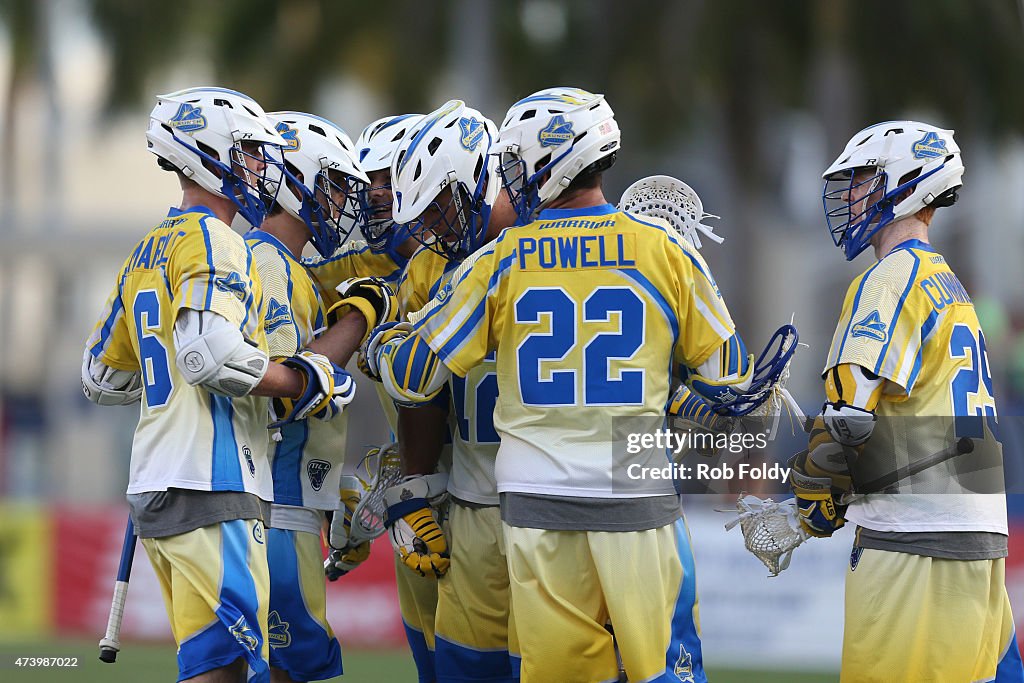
200,132
672,200
321,177
376,147
915,165
549,138
446,149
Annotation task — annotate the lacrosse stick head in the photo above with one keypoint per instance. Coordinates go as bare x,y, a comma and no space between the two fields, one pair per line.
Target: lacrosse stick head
771,531
379,469
672,200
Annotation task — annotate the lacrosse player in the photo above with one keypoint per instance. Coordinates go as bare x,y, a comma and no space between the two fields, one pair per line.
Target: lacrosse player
578,321
183,331
443,163
319,177
925,593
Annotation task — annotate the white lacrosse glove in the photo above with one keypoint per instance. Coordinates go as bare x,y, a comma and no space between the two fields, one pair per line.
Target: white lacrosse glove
413,528
368,361
347,551
327,389
107,386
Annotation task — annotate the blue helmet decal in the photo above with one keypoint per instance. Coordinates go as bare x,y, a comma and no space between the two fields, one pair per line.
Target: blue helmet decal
557,132
290,135
931,146
189,118
472,133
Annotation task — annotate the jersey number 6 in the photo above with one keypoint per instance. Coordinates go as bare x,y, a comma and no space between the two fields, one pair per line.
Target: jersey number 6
155,368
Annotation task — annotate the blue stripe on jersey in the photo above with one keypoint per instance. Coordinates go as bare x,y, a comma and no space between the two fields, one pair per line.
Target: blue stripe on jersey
926,330
637,277
853,309
287,468
555,214
289,294
899,308
458,663
248,299
116,310
422,655
238,597
468,327
209,263
226,470
693,259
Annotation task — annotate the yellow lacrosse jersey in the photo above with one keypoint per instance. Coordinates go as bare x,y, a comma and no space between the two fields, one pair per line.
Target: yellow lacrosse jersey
425,273
590,311
187,437
910,320
307,461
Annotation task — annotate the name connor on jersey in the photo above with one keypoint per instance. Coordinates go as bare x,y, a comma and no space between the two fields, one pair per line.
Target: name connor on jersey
576,251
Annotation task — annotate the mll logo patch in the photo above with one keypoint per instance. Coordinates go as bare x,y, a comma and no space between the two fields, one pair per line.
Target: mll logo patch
188,119
290,135
871,327
855,557
277,631
931,146
683,668
278,314
232,284
472,133
557,132
317,471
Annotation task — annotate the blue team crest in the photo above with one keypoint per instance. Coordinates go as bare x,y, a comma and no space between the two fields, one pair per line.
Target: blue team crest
277,631
232,284
871,327
931,146
243,634
855,557
472,133
188,119
290,135
278,314
557,132
683,668
317,471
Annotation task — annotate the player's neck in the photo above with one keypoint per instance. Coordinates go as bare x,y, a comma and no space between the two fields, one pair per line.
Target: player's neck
910,228
222,207
580,199
292,232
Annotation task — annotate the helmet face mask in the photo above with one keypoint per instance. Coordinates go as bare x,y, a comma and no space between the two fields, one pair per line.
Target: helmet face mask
319,178
521,194
888,172
444,180
221,140
376,147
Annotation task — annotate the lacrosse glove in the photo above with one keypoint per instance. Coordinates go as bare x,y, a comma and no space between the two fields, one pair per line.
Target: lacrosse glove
327,389
347,552
820,477
414,530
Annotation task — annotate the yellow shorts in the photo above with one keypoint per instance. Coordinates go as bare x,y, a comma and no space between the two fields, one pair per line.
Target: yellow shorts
417,599
916,618
301,641
566,585
474,636
216,588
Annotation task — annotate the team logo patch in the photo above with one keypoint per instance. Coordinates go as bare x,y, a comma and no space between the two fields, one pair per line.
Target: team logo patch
444,293
257,532
290,135
557,132
871,327
248,460
243,634
277,631
931,146
278,314
232,284
683,668
855,557
317,471
472,133
188,119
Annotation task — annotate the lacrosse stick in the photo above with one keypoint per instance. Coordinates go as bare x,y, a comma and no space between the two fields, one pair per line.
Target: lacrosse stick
771,531
379,469
110,645
672,200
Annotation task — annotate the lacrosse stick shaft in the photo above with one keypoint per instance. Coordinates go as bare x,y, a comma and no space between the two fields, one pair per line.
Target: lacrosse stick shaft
961,447
110,645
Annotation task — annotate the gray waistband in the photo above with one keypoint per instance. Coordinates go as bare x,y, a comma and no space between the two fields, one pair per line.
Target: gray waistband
175,511
566,513
947,545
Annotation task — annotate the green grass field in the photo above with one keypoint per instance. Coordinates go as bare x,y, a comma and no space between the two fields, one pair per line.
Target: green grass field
144,662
